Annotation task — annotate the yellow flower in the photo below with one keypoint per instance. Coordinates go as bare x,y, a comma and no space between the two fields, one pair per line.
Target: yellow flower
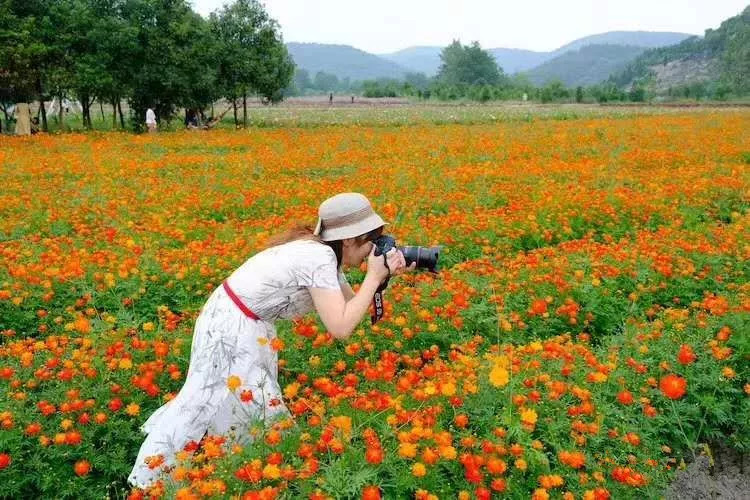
291,390
132,409
528,417
418,469
271,471
233,382
448,389
499,376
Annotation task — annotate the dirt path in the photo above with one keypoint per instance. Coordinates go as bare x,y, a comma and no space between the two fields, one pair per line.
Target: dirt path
729,478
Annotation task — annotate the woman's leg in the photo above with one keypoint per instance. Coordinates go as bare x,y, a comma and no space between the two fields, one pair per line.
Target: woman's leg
187,417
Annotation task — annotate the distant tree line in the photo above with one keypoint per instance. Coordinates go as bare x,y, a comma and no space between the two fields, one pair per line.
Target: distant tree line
152,53
468,72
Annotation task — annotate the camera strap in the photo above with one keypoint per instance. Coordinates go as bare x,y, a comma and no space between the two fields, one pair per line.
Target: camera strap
377,302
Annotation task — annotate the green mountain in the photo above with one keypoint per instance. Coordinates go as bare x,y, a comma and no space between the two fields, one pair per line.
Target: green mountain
427,58
587,65
721,58
343,61
648,39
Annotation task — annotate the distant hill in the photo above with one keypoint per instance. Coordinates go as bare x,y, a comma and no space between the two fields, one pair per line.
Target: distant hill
721,57
423,59
343,61
517,60
346,61
647,39
427,58
588,65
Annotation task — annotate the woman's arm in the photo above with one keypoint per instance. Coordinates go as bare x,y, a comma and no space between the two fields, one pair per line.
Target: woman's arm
341,316
346,289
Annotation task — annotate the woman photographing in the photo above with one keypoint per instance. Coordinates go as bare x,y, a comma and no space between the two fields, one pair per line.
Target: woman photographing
234,332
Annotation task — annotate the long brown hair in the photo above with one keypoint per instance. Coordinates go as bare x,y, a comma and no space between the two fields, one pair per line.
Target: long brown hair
305,232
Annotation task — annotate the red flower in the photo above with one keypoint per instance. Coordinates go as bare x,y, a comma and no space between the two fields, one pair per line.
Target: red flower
673,386
4,461
82,468
374,455
686,355
625,397
371,493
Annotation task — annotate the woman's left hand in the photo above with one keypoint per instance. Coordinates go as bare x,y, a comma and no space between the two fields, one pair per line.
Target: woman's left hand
397,262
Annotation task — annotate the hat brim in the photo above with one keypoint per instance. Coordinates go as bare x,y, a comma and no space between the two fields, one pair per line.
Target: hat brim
353,230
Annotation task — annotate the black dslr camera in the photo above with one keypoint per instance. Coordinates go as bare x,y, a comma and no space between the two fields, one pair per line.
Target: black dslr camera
425,257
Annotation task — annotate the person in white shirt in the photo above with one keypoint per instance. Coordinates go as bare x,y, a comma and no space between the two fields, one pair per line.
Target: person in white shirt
150,120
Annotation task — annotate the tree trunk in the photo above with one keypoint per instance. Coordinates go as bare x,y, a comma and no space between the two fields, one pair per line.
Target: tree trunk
86,112
41,104
91,105
7,118
114,114
122,120
101,109
212,111
234,106
244,110
61,113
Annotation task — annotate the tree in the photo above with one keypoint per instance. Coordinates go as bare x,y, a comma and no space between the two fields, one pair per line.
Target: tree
272,65
736,58
325,81
174,55
253,58
302,80
467,65
24,56
579,94
417,80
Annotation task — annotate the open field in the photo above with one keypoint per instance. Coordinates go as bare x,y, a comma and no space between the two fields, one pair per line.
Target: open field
588,331
315,111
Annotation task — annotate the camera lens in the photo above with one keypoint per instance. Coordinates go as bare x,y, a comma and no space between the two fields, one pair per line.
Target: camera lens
425,257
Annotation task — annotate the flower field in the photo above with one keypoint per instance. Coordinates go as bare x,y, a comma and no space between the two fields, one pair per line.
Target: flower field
588,331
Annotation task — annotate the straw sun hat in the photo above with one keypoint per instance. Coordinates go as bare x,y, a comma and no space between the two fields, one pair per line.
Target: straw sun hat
346,215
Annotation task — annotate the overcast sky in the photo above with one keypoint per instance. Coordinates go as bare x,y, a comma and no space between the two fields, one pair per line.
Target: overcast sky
381,26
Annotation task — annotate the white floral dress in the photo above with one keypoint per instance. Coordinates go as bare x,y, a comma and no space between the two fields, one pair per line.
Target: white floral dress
274,284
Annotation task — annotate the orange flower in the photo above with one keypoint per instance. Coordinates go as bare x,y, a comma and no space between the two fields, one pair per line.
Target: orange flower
82,468
418,469
673,386
371,493
685,356
233,382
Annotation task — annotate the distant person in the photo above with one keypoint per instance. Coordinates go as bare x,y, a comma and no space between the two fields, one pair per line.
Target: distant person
191,119
352,99
150,120
330,98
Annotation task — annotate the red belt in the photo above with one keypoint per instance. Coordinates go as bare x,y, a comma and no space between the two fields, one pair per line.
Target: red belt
246,310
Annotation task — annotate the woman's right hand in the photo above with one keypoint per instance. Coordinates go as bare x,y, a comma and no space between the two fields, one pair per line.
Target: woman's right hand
376,264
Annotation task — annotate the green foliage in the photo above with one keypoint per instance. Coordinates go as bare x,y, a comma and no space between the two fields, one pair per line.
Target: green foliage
586,66
252,56
729,45
156,53
468,65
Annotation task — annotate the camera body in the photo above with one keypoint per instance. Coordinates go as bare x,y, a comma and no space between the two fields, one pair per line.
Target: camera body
425,257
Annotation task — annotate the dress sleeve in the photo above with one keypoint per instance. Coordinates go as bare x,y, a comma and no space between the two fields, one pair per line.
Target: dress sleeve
317,268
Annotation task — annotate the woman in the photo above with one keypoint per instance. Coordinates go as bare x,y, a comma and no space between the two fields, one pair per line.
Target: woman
233,333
